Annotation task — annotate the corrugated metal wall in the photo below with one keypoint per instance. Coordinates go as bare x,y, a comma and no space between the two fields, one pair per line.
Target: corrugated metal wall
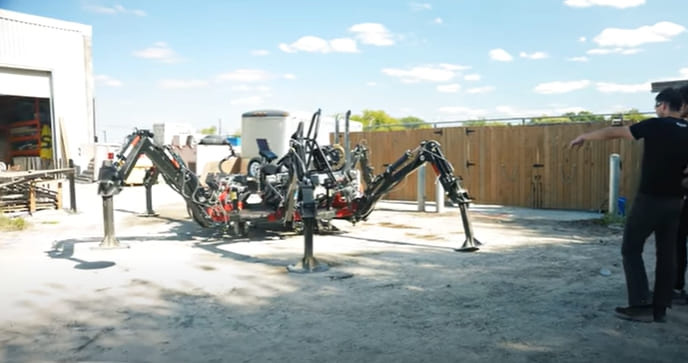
64,50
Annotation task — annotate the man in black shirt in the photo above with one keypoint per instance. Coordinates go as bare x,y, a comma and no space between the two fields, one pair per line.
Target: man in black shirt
679,294
656,207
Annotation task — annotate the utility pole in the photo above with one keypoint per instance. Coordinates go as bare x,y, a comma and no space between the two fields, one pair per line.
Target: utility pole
104,135
219,126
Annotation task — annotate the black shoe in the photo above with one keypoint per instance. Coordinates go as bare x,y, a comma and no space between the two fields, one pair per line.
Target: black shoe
659,315
679,297
643,313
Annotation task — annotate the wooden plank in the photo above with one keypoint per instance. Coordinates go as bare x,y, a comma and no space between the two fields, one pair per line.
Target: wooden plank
64,141
32,198
58,196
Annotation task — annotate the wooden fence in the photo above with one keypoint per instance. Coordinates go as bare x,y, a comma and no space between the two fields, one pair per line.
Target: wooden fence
529,166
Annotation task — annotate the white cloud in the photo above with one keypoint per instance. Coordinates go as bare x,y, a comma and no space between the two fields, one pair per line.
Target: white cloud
420,6
117,9
248,101
160,51
582,39
180,84
621,4
683,72
438,21
343,45
247,88
578,59
260,52
449,88
472,77
460,112
500,55
107,80
606,87
428,73
289,76
661,32
454,67
245,75
371,84
622,51
313,44
561,87
373,34
366,33
308,43
534,55
478,90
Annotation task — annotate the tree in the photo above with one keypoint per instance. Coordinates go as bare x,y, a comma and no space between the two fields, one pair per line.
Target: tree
583,116
482,122
476,122
550,120
377,120
212,130
236,133
413,122
632,115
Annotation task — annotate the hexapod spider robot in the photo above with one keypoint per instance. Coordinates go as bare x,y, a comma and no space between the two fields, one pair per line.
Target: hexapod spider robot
303,190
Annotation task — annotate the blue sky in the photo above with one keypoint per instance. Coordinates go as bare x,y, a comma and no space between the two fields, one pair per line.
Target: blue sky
171,61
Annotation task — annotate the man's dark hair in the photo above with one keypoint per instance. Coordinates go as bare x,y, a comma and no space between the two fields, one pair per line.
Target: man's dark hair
684,93
671,97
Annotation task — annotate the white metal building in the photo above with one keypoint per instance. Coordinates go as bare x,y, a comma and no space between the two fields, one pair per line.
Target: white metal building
46,79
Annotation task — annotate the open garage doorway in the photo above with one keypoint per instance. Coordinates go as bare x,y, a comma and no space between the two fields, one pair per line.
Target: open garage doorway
26,121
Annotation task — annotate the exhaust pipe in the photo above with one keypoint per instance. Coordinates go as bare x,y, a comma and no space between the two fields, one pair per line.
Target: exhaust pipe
336,129
347,142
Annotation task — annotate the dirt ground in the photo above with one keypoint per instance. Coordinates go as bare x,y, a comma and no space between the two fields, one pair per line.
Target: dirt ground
542,288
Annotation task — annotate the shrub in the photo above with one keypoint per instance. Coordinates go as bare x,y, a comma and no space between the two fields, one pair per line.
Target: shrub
12,223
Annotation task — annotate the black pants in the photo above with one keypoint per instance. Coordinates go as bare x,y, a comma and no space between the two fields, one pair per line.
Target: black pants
651,214
681,258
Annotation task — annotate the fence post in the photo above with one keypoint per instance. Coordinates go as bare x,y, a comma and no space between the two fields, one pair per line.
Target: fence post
614,171
421,188
72,187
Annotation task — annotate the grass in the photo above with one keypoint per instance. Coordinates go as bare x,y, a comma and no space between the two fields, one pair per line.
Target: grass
612,219
12,223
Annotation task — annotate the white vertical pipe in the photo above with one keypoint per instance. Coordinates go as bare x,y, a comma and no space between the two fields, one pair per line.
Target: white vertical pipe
439,195
614,172
421,188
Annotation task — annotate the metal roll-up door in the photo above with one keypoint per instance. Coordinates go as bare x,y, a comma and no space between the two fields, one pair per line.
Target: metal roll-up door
23,82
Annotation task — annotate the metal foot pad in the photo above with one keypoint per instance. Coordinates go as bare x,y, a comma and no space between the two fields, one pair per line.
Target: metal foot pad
307,266
469,246
110,244
149,215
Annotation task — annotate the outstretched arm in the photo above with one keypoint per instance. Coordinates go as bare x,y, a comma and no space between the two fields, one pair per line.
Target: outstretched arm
607,133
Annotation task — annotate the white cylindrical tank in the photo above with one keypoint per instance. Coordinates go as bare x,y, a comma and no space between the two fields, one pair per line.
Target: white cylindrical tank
273,125
278,126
